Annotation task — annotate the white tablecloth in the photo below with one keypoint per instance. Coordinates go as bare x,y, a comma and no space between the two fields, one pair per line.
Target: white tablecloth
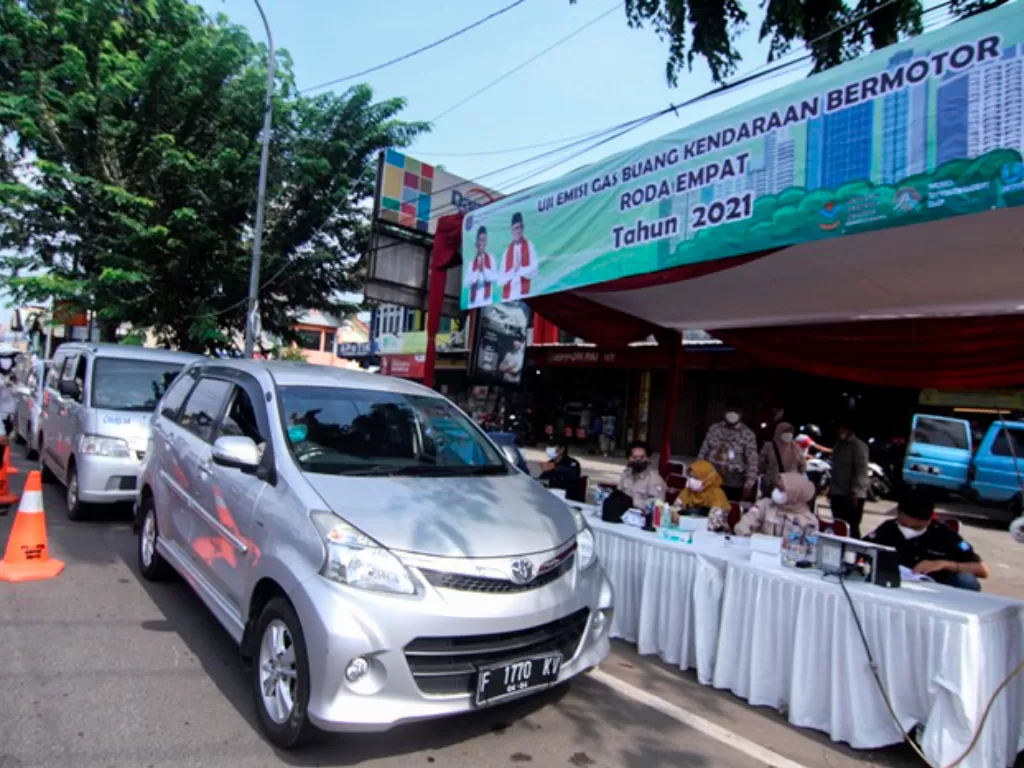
667,595
788,638
780,637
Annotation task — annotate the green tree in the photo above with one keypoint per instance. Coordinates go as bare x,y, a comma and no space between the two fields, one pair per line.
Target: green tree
131,141
833,31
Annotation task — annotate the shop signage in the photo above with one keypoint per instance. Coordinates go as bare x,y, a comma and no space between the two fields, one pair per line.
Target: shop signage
414,195
906,135
415,342
355,349
403,366
993,399
636,358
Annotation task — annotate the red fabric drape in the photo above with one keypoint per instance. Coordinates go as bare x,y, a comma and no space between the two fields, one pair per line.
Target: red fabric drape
962,353
600,325
447,249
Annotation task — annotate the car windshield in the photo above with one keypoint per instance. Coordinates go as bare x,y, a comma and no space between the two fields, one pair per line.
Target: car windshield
123,384
338,431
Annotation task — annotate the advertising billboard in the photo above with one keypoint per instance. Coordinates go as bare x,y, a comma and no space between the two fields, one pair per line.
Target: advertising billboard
413,195
927,129
499,344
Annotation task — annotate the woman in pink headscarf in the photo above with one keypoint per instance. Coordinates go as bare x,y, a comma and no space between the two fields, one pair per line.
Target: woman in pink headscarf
780,455
787,508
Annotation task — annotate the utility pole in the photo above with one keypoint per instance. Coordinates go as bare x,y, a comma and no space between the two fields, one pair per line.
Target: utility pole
252,325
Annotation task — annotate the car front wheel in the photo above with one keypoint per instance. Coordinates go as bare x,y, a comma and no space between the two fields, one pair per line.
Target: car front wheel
151,564
280,676
76,509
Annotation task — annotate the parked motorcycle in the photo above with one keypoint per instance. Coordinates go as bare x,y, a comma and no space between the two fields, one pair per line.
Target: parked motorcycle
880,487
819,472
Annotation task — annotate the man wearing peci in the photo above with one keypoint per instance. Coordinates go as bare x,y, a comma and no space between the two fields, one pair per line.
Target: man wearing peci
519,264
481,272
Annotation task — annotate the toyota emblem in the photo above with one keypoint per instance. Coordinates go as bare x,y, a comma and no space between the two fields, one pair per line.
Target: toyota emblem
522,572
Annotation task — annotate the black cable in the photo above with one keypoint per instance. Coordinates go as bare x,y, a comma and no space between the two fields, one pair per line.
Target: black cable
590,134
603,138
613,132
888,702
527,62
418,51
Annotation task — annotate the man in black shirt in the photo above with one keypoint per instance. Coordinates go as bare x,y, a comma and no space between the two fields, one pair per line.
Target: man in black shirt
928,546
561,470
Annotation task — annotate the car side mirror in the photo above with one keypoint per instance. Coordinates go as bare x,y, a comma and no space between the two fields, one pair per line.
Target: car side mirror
236,453
68,388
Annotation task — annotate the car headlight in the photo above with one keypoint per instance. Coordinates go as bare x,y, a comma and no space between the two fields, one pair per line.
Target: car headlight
586,548
93,445
354,559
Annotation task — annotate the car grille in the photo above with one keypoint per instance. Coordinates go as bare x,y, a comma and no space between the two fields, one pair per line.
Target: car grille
465,583
446,666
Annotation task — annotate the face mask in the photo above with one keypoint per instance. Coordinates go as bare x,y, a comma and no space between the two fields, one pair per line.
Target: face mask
638,465
552,453
297,432
732,417
779,497
787,438
694,484
910,533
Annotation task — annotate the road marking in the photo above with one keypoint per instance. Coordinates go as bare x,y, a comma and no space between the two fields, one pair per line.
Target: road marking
698,723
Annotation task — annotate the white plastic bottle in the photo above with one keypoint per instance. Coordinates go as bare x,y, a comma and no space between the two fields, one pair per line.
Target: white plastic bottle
792,543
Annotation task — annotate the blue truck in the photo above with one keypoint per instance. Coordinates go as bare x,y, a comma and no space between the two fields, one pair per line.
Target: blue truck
986,468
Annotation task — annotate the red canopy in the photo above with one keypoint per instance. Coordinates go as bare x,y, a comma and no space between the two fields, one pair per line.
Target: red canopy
861,308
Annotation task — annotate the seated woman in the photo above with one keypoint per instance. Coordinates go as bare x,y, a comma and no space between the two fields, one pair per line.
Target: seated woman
703,491
561,470
787,507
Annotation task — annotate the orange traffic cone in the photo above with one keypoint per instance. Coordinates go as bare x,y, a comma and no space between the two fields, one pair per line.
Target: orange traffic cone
28,556
8,467
6,497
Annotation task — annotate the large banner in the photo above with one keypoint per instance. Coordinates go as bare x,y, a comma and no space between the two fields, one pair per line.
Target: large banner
925,130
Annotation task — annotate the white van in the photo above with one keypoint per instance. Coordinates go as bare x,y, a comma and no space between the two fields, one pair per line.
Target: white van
94,425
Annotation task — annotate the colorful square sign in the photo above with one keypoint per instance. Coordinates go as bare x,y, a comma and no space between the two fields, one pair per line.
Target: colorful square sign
405,189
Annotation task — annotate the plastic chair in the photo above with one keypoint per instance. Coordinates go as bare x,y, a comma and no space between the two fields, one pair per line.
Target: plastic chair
735,514
835,527
579,493
675,468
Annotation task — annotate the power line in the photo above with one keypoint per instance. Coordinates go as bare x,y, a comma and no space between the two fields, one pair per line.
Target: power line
613,132
526,63
746,79
589,134
418,51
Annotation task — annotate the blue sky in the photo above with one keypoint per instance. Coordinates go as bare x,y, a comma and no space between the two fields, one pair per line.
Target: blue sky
605,75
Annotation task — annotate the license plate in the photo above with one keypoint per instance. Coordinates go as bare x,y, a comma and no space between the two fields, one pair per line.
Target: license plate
503,681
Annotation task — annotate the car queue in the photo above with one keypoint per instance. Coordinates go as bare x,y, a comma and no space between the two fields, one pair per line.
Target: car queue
375,555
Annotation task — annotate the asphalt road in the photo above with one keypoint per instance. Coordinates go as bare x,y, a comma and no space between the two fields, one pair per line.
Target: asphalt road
104,669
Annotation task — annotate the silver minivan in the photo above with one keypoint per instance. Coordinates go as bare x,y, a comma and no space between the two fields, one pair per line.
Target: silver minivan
373,553
94,423
28,394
